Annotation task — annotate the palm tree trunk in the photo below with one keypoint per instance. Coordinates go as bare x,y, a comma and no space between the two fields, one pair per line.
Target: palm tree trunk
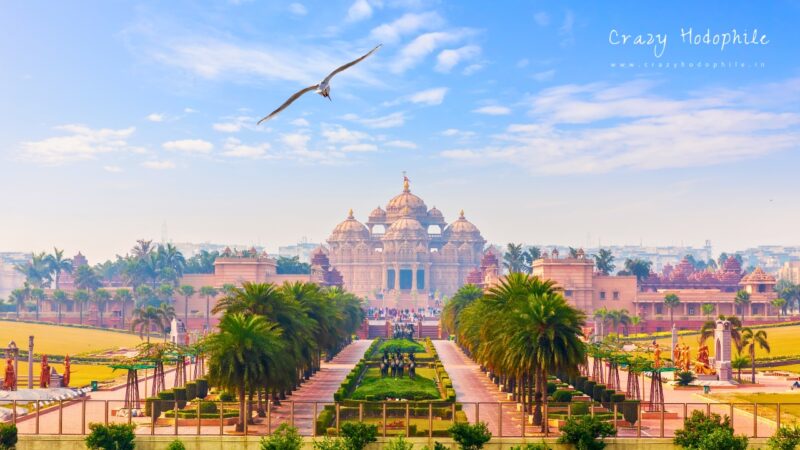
59,313
186,312
242,413
122,322
208,303
753,364
80,308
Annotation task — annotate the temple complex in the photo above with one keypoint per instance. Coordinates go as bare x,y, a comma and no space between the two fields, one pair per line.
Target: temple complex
405,256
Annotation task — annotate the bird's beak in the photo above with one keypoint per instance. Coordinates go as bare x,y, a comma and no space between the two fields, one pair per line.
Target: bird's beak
328,97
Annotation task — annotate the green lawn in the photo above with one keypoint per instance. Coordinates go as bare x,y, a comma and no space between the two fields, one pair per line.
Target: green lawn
790,404
422,387
403,345
53,339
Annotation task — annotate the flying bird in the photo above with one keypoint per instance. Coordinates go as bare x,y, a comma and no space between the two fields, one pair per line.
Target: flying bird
323,88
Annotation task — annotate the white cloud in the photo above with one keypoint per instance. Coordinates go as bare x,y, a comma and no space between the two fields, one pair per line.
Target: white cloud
472,68
448,59
359,10
80,143
546,75
112,169
423,45
158,165
155,117
235,124
338,134
405,25
434,96
455,132
493,110
597,128
401,144
567,38
363,147
189,146
234,148
392,120
300,122
189,110
542,18
298,9
523,63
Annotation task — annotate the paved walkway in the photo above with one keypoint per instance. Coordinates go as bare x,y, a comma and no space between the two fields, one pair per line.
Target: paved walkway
481,398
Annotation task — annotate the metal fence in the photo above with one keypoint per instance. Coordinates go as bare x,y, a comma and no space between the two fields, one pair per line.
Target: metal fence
504,419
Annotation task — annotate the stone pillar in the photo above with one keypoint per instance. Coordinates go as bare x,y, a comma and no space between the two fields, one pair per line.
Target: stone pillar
414,278
384,278
397,278
722,350
674,338
30,362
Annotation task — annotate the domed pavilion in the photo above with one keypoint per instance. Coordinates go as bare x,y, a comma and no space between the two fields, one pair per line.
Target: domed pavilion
405,255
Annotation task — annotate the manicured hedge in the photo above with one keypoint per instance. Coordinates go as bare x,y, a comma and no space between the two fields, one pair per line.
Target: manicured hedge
180,397
202,387
562,396
191,390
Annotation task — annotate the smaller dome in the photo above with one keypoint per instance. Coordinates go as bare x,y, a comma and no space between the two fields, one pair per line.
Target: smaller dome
350,230
462,230
377,213
405,228
758,276
434,212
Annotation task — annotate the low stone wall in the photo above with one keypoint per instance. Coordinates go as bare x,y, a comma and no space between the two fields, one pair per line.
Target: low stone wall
52,442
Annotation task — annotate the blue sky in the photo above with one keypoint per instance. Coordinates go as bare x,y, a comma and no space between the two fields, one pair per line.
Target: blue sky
118,117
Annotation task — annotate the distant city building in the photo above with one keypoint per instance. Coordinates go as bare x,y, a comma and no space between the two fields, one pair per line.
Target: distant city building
10,278
302,250
790,271
189,249
406,254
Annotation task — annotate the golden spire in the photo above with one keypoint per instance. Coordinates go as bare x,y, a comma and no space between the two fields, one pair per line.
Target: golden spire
406,184
350,214
461,214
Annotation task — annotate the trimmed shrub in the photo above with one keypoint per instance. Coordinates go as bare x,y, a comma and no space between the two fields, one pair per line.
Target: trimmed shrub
226,397
785,438
398,443
685,378
580,408
115,436
153,408
180,397
562,396
358,434
8,436
586,432
191,391
208,407
551,387
176,445
598,392
588,388
607,396
630,411
202,387
284,437
325,419
166,395
617,398
470,437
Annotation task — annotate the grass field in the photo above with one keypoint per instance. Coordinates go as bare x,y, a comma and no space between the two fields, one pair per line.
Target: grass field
403,345
790,404
81,374
422,387
63,340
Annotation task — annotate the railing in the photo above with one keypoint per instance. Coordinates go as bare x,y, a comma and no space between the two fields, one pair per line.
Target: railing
504,419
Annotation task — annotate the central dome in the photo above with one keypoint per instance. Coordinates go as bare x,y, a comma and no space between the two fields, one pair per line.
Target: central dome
396,206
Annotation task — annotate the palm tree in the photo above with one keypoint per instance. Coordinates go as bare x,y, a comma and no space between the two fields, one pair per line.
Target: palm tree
101,298
86,278
36,271
741,300
187,291
59,298
451,311
208,292
165,293
639,268
530,255
19,297
513,259
604,261
603,315
37,295
636,321
708,310
707,330
750,340
123,296
81,297
242,355
739,362
671,301
780,305
167,312
56,263
144,295
144,319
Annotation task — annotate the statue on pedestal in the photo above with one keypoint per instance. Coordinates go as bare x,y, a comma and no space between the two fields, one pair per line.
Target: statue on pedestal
10,378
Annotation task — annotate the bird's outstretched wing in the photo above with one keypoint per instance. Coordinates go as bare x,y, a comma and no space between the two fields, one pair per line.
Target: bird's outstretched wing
350,64
288,102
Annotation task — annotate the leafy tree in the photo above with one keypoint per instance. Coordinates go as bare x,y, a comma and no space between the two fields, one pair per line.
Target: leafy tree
56,264
513,259
785,438
604,261
287,265
739,362
470,437
101,298
284,437
202,262
123,297
584,431
60,298
701,432
358,434
81,297
639,268
112,436
8,436
208,292
780,305
708,309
